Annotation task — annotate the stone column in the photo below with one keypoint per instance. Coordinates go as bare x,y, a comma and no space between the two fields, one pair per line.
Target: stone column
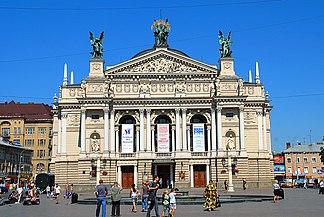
207,172
213,129
230,177
141,148
64,117
219,129
98,171
188,138
59,134
153,138
83,130
135,175
184,129
178,147
208,138
119,175
117,139
137,138
242,134
192,180
106,129
265,132
171,176
112,131
148,130
259,114
173,138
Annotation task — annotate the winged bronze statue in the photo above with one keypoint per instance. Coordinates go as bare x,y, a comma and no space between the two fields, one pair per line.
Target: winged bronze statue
225,51
97,48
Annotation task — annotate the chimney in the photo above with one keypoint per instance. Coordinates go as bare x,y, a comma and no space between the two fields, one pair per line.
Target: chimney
288,145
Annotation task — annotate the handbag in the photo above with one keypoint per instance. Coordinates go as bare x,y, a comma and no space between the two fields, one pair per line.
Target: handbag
218,203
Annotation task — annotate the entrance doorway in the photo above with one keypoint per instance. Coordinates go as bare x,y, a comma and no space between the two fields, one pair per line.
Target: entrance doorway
127,176
163,171
199,176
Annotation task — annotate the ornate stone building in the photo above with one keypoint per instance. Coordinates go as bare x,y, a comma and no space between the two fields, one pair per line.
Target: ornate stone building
162,112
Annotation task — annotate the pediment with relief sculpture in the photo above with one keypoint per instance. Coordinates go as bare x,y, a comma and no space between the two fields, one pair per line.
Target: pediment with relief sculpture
162,61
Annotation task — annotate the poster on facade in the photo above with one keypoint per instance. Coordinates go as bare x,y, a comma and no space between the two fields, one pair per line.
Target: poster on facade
278,168
198,138
163,137
278,159
127,138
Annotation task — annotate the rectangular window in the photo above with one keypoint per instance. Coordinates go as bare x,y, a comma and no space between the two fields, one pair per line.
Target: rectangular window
42,131
313,160
298,170
50,132
306,170
95,116
41,153
289,170
288,160
298,160
19,130
229,115
5,131
305,160
41,142
15,130
29,142
314,170
30,131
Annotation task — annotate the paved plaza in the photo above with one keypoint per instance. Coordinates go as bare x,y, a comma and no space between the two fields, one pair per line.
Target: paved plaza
298,202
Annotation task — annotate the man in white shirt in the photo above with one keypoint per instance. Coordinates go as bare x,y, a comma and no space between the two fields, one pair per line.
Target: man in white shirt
19,191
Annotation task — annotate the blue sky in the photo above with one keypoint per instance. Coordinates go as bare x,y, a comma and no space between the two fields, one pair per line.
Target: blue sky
286,37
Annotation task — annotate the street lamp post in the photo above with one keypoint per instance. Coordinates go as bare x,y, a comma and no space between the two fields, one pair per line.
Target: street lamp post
230,175
19,169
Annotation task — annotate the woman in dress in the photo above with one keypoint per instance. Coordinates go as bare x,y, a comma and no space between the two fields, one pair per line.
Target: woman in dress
211,195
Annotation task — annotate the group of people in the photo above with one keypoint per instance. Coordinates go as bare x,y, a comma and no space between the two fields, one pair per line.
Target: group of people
149,200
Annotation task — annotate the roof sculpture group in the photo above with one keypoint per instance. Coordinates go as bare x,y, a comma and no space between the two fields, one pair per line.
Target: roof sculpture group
161,34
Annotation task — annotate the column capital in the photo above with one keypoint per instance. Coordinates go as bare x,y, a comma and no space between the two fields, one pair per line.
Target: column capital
64,116
141,111
184,109
83,110
188,128
148,111
112,111
209,127
173,128
117,128
259,114
177,110
137,128
106,110
219,109
152,128
241,109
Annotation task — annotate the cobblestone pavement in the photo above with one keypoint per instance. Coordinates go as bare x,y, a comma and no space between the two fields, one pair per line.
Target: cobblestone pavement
298,203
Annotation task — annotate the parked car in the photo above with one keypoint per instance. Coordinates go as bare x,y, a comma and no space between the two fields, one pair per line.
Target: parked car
286,185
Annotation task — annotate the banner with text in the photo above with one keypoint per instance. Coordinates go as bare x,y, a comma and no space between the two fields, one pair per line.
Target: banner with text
127,138
163,137
198,138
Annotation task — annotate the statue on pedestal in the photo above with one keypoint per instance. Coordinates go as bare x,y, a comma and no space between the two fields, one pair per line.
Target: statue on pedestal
225,51
161,32
96,45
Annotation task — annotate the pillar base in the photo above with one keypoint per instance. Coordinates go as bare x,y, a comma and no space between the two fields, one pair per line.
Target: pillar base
230,188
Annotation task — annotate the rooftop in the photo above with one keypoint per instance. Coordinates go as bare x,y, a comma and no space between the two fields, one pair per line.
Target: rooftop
312,148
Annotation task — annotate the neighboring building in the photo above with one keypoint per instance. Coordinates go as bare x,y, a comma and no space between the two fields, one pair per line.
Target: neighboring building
31,126
279,167
303,161
162,112
11,156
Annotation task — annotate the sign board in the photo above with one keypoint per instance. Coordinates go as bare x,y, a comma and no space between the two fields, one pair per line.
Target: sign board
163,137
278,168
278,159
198,138
127,138
319,171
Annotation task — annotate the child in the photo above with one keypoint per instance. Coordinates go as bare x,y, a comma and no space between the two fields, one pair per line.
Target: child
173,204
165,203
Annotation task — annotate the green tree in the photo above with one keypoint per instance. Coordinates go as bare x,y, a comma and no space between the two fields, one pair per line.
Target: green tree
321,154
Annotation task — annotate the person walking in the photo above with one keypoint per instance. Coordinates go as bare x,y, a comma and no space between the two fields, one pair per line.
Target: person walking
225,185
276,191
153,203
173,204
211,195
134,194
101,193
145,190
57,190
115,199
48,191
244,184
166,203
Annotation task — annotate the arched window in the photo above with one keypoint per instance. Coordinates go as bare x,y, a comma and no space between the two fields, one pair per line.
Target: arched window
198,134
127,134
162,134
